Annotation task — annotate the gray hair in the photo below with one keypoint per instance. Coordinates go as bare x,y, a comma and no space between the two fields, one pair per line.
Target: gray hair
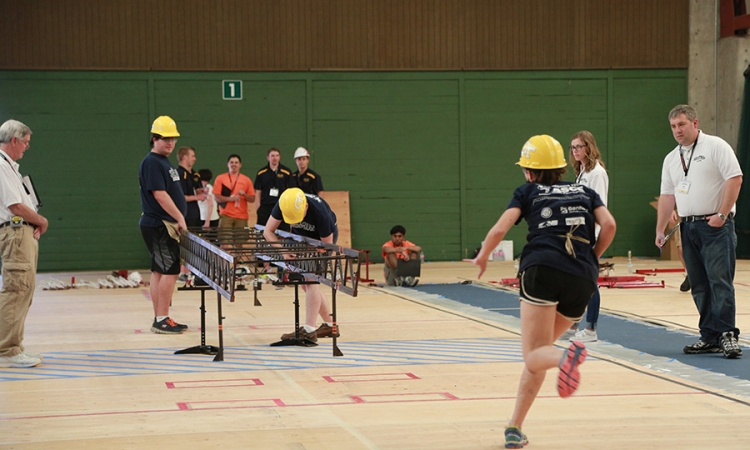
13,129
688,110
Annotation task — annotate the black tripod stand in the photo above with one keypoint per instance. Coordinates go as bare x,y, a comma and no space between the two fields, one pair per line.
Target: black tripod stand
294,279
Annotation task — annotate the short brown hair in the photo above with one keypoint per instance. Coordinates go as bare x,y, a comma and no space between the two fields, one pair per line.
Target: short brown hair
183,151
548,177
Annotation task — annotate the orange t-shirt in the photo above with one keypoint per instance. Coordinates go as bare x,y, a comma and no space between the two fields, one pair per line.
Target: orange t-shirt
236,184
404,243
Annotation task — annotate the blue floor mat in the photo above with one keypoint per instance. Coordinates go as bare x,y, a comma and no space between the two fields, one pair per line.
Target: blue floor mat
646,338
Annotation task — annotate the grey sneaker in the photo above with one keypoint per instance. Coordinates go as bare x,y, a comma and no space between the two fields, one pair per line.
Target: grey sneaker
729,345
514,438
168,326
701,346
19,361
410,281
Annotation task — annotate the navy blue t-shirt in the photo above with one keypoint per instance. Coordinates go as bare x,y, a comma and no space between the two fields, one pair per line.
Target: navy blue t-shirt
190,181
551,212
157,174
319,221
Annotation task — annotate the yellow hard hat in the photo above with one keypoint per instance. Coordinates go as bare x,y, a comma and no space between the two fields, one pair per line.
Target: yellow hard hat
542,152
293,203
164,126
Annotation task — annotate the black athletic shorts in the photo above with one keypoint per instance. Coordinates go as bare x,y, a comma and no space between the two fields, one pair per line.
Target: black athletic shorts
543,285
165,251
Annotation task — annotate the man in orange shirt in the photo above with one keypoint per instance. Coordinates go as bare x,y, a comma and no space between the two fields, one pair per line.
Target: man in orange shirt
395,249
233,191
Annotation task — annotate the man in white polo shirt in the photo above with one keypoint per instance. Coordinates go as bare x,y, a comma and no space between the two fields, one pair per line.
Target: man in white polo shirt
703,177
20,229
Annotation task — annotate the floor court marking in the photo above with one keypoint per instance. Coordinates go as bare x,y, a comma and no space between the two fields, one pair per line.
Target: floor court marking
82,364
351,400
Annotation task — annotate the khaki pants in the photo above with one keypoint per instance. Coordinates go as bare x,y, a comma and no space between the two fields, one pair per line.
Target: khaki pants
19,252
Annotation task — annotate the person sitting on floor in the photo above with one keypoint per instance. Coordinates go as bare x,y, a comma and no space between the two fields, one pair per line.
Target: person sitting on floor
397,249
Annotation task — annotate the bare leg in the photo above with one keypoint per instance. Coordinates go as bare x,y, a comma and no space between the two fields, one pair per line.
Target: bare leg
162,288
541,325
315,304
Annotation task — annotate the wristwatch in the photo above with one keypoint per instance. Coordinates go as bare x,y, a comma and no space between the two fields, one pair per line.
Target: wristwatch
722,216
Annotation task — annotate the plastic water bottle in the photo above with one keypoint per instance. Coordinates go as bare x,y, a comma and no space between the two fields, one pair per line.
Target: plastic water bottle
630,262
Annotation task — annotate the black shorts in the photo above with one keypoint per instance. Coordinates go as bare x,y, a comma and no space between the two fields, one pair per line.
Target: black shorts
542,285
165,251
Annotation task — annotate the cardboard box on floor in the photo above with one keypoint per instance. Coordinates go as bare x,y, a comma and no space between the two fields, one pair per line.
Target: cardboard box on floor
670,251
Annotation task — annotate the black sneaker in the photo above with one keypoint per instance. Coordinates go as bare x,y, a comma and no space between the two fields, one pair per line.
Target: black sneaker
729,345
167,326
178,325
701,346
685,286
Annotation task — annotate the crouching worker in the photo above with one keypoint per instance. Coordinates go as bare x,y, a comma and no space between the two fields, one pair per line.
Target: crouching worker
308,215
558,270
399,249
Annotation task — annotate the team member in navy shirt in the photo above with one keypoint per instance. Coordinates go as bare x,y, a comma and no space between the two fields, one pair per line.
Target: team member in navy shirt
308,215
558,269
164,208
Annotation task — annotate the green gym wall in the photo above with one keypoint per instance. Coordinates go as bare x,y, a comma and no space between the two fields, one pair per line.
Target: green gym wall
433,151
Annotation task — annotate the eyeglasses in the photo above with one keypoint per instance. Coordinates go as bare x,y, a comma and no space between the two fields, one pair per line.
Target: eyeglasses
578,147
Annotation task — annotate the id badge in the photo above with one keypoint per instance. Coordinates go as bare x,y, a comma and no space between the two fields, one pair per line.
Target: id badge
273,192
683,187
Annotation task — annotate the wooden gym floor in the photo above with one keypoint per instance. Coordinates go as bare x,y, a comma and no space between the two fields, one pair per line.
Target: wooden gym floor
418,372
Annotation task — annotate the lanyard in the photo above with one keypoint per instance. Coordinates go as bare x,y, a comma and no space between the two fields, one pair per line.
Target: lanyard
19,175
686,168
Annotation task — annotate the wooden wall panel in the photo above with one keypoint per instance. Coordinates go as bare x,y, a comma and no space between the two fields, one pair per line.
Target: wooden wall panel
293,35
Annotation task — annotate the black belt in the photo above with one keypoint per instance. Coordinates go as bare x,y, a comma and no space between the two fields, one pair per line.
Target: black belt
703,218
10,223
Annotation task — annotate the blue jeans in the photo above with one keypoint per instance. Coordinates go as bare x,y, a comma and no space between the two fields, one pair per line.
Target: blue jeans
709,255
592,312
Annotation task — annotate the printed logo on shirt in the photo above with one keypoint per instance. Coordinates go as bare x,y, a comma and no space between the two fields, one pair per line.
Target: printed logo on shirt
305,226
549,223
546,213
572,209
699,158
575,221
173,173
561,189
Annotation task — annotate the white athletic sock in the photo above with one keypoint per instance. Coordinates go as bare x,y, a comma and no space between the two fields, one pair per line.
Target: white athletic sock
308,328
160,318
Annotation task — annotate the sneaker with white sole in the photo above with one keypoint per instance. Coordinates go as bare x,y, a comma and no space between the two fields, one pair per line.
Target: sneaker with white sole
729,345
168,326
19,361
32,355
514,438
585,335
569,333
699,347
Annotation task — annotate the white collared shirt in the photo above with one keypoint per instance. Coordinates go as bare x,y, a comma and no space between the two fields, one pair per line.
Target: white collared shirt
12,191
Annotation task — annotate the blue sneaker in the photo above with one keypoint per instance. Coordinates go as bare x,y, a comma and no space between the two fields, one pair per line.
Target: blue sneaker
514,438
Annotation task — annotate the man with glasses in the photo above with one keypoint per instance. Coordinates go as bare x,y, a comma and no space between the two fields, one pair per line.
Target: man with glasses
163,219
20,229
